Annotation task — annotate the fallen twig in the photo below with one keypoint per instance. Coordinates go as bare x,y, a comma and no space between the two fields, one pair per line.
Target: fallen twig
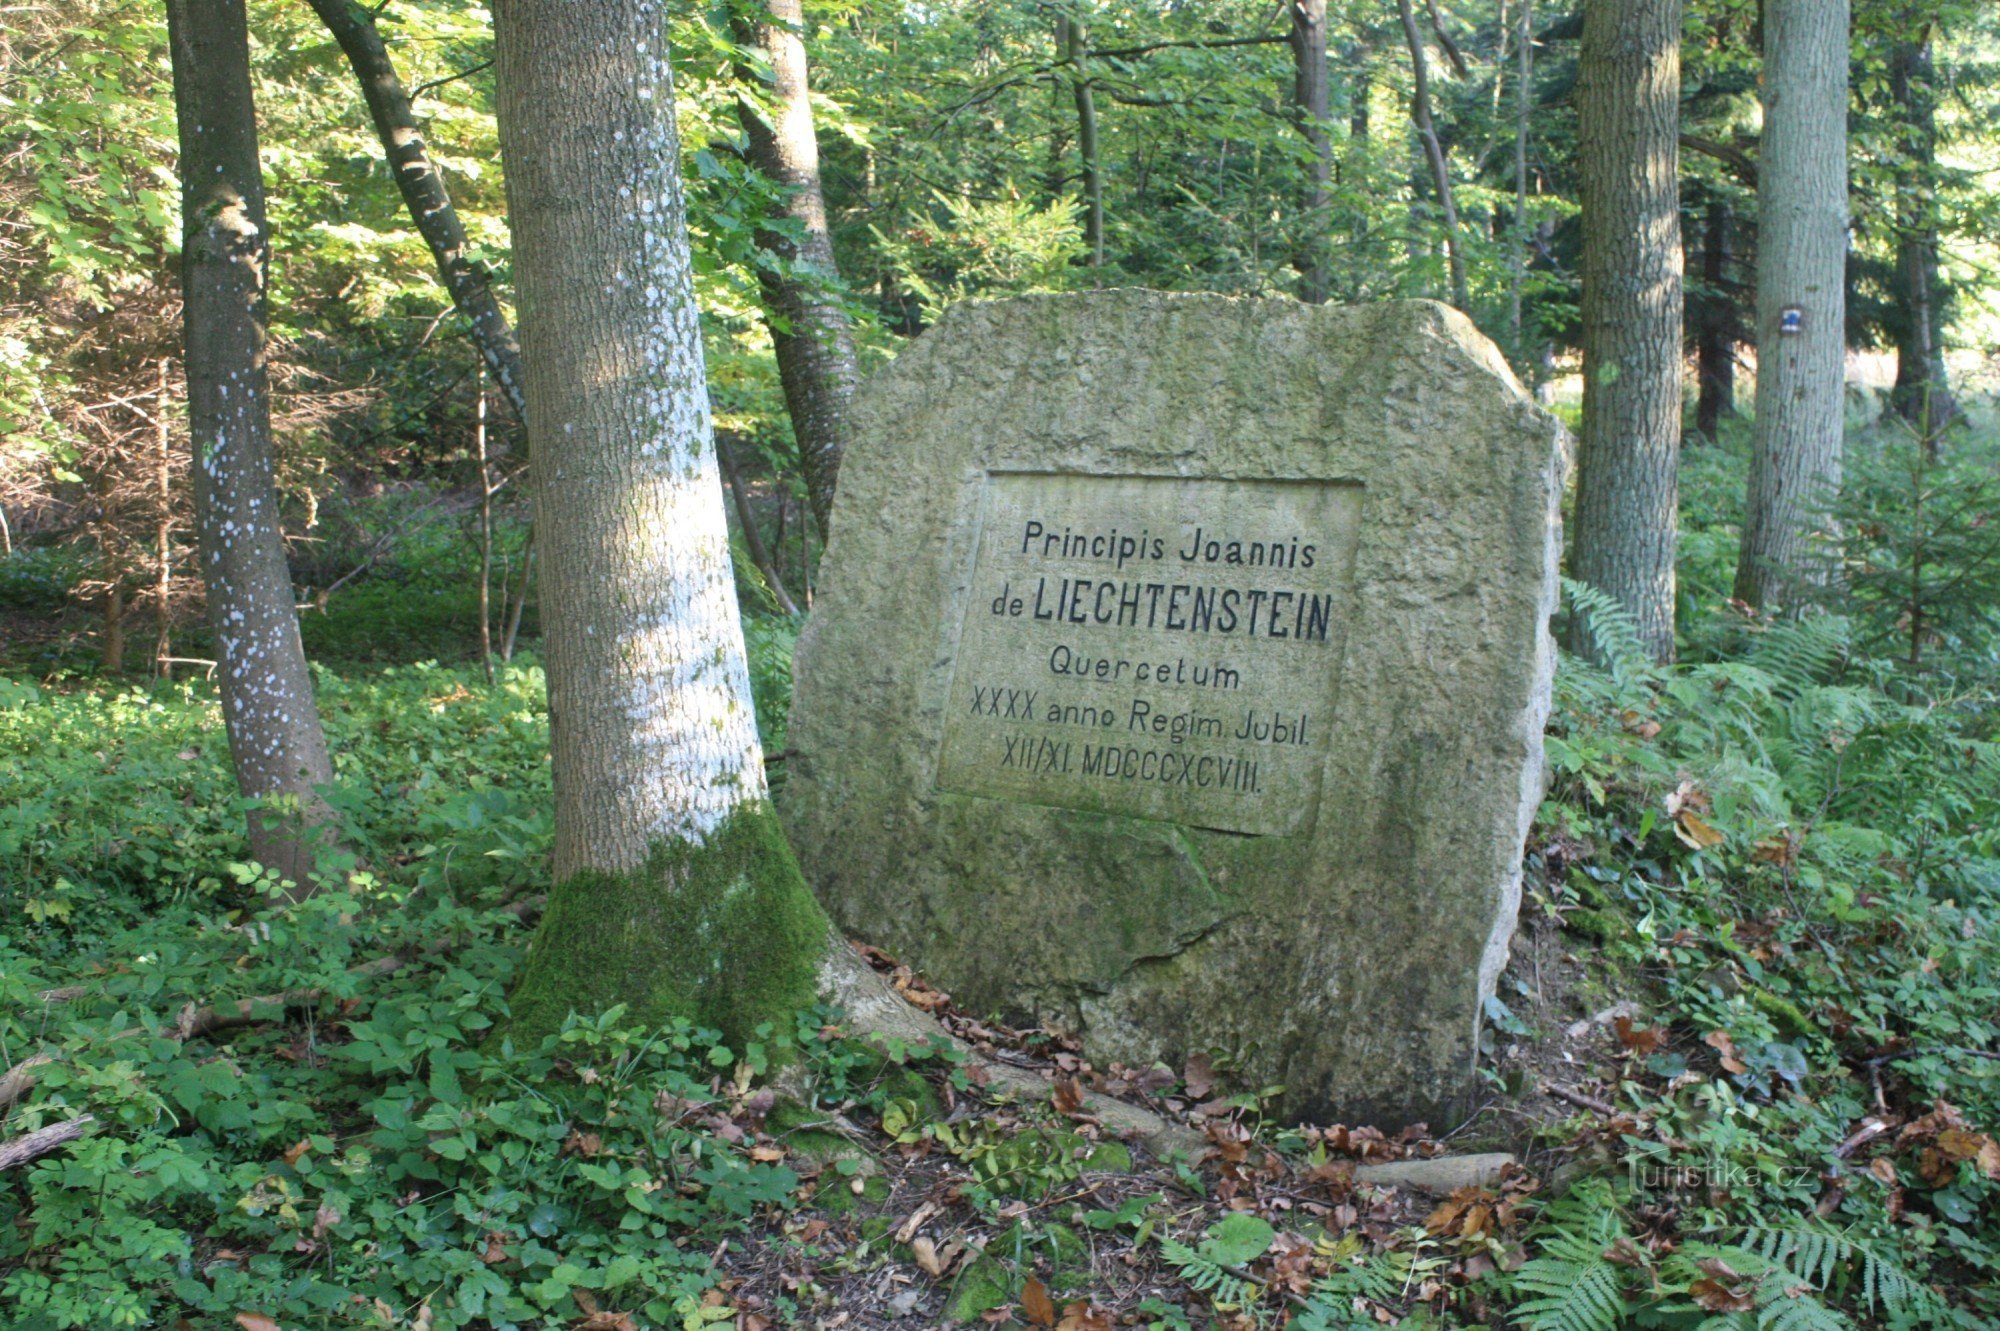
1579,1099
42,1140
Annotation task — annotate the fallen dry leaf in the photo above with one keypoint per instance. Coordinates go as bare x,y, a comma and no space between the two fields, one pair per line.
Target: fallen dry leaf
1695,833
1199,1076
257,1322
1716,1297
1037,1304
926,1253
1720,1042
1084,1316
1641,1040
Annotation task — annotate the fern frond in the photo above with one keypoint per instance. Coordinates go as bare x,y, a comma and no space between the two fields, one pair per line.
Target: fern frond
1611,631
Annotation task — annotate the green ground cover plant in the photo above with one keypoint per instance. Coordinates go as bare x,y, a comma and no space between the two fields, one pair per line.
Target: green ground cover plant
1780,856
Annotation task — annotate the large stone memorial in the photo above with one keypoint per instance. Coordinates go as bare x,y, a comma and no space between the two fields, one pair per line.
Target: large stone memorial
1177,679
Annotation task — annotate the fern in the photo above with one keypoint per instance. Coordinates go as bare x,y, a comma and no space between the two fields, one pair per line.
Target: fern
1802,652
1380,1278
1611,631
1206,1276
1819,1253
1576,1288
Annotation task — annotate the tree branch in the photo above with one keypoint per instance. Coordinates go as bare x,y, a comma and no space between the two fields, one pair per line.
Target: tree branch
42,1140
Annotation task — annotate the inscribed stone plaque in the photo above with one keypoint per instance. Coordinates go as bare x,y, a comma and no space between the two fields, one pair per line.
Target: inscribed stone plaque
1153,646
1198,793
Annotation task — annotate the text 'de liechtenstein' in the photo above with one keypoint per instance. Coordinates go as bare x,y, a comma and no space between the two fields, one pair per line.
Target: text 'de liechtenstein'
1154,646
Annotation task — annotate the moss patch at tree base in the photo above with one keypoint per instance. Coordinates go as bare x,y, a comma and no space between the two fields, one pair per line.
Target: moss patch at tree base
722,932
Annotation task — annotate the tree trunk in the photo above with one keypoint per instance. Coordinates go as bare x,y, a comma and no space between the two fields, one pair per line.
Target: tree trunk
1524,105
1801,298
1420,112
675,892
113,663
520,598
1070,43
1922,395
753,539
1311,104
485,532
267,691
1628,111
424,193
810,331
163,535
1715,331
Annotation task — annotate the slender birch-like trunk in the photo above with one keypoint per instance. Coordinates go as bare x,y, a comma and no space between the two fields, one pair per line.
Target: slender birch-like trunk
1311,104
810,331
267,692
1801,299
1715,337
1433,146
675,892
424,193
1628,153
1071,47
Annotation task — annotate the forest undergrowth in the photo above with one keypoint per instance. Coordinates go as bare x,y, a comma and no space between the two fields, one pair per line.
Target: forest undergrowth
1748,1055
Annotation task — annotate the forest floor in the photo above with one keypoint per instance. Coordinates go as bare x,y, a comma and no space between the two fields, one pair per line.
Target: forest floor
1744,1056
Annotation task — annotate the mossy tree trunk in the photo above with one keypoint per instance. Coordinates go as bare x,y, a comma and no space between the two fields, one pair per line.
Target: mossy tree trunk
675,893
268,708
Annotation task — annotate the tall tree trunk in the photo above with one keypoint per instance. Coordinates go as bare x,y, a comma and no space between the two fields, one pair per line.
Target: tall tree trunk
163,533
485,531
810,330
1524,105
424,194
1922,395
1311,104
1801,298
1071,47
267,692
114,628
1420,112
1628,113
675,892
1715,330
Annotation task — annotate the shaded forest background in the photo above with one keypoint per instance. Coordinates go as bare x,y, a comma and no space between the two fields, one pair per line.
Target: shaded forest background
953,163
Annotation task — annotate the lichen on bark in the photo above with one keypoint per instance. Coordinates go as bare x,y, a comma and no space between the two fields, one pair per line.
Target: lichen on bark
721,931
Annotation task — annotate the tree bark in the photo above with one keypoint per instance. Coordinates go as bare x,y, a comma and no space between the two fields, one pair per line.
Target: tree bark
1801,279
1071,47
114,628
163,473
424,193
267,691
40,1142
1420,112
1524,105
810,330
1715,331
753,539
675,893
485,531
1628,110
1311,105
1922,394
